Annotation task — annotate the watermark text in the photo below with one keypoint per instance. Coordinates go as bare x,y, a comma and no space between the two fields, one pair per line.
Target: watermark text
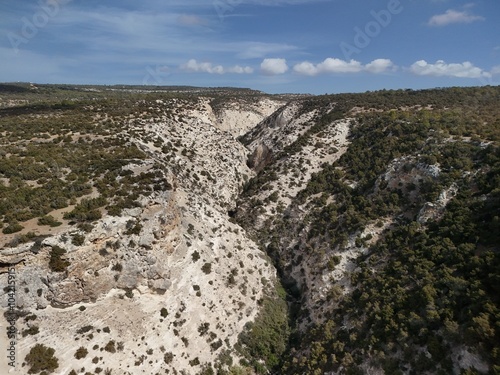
11,316
30,26
363,36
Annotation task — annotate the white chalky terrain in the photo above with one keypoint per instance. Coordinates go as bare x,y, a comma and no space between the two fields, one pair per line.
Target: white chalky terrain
188,262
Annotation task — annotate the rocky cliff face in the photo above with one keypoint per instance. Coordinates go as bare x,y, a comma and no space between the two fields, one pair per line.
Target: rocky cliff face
172,281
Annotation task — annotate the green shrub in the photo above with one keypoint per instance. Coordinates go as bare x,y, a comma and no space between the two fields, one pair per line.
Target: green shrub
78,239
33,330
84,329
90,215
207,268
85,227
203,328
48,220
110,347
194,362
133,227
56,262
41,358
129,293
274,197
216,345
168,357
12,228
81,353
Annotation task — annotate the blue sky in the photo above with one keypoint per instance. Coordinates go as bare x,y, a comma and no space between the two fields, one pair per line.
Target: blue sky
278,46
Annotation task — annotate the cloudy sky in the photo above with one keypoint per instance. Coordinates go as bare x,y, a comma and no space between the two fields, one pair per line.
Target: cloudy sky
310,46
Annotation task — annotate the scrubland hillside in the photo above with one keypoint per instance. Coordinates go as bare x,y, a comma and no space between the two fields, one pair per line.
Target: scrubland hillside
381,214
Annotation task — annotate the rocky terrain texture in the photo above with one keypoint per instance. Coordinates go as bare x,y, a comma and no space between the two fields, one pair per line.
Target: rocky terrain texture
382,221
152,231
169,282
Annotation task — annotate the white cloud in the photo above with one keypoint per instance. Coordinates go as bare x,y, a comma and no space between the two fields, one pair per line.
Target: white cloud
334,65
329,65
453,16
206,67
240,69
306,68
440,69
274,66
380,66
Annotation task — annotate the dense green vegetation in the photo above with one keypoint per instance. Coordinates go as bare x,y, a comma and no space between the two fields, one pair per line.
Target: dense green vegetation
434,288
426,289
264,341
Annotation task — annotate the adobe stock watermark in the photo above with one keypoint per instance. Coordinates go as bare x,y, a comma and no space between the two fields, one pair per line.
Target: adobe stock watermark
11,317
363,36
156,75
30,26
223,7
